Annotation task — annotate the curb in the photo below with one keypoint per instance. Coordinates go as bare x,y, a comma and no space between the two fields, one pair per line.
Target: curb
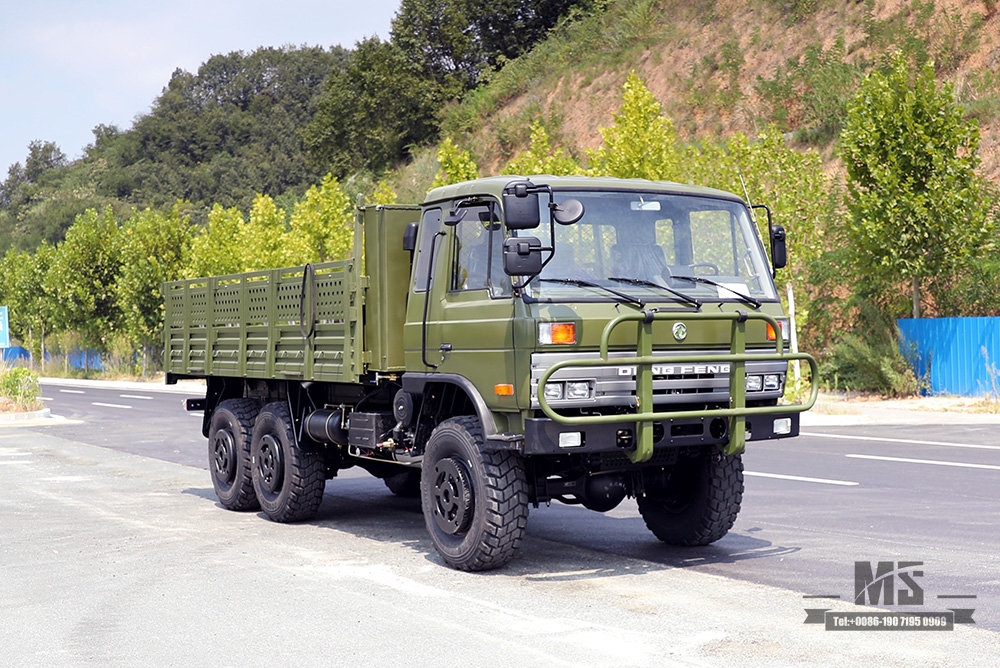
14,418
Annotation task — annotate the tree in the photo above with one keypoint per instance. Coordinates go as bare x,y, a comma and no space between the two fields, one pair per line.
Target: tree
917,208
541,158
154,247
83,275
642,143
456,165
22,288
322,225
371,111
457,41
219,248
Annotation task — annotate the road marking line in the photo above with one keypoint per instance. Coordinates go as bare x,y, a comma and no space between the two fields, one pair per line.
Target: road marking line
72,391
908,441
935,462
134,396
798,478
47,399
98,403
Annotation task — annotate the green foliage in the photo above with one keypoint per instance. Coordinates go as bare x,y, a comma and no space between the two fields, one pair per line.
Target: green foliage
541,158
19,389
641,143
154,247
456,165
811,93
322,225
917,208
219,249
458,41
371,111
384,194
23,290
82,278
869,359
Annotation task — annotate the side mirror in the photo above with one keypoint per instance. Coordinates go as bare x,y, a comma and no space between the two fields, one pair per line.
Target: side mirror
410,237
522,256
568,212
455,216
779,251
521,210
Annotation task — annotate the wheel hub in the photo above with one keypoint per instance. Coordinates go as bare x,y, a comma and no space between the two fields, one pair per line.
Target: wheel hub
270,464
224,455
453,505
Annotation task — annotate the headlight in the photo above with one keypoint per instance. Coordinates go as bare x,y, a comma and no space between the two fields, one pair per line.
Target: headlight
754,383
578,390
772,381
553,391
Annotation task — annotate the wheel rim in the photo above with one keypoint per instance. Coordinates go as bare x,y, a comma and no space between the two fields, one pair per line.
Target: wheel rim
453,506
270,464
224,455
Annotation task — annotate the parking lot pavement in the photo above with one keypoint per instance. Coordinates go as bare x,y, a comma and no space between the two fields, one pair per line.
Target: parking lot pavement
114,559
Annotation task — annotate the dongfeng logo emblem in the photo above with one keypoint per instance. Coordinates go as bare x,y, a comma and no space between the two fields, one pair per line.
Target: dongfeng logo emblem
680,331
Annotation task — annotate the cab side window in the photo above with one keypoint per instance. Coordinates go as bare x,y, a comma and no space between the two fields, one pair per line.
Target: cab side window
430,224
478,252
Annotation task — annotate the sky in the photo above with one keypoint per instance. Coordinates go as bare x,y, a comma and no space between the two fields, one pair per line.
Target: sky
67,66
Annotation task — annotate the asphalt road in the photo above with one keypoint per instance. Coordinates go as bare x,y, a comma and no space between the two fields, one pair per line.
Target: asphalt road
813,507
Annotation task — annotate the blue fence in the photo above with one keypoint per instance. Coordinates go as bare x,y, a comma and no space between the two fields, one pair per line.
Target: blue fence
958,356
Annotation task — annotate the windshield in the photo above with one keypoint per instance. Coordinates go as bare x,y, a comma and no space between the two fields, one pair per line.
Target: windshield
643,243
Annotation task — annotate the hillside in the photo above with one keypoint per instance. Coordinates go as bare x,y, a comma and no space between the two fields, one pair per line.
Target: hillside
726,66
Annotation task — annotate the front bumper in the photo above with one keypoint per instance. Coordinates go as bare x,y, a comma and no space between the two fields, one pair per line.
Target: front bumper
542,435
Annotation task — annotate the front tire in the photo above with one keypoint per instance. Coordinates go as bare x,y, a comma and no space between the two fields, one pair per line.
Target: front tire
229,435
696,502
475,502
288,482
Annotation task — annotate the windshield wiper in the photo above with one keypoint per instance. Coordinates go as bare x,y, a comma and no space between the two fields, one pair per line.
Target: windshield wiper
622,297
651,284
746,299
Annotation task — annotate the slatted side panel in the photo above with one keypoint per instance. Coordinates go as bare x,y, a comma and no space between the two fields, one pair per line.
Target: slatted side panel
250,325
337,317
226,333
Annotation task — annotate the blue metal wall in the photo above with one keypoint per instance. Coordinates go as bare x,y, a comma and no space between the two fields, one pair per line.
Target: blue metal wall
952,349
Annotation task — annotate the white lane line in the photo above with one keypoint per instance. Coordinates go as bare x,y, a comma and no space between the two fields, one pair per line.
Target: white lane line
935,462
798,478
47,399
98,403
72,391
134,396
908,441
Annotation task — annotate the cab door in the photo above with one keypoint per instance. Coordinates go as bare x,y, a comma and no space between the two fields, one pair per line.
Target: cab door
468,328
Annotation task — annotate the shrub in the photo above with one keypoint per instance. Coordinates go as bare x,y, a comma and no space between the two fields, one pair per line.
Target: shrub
19,390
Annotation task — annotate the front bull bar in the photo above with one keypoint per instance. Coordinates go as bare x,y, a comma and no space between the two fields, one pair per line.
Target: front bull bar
645,414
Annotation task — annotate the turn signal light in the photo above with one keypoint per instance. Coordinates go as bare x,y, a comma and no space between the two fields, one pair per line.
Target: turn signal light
559,333
772,335
504,390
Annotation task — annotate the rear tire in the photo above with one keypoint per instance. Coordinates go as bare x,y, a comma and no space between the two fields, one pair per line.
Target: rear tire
288,482
697,501
475,502
229,435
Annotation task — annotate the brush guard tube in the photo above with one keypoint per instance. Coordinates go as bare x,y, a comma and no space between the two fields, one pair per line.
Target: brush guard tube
646,415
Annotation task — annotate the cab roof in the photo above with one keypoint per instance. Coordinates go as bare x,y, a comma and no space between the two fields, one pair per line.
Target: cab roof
494,185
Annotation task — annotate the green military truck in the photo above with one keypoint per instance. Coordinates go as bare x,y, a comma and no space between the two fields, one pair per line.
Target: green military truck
510,342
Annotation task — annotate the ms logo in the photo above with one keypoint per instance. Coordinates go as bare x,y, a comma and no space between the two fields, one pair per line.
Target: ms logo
880,582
